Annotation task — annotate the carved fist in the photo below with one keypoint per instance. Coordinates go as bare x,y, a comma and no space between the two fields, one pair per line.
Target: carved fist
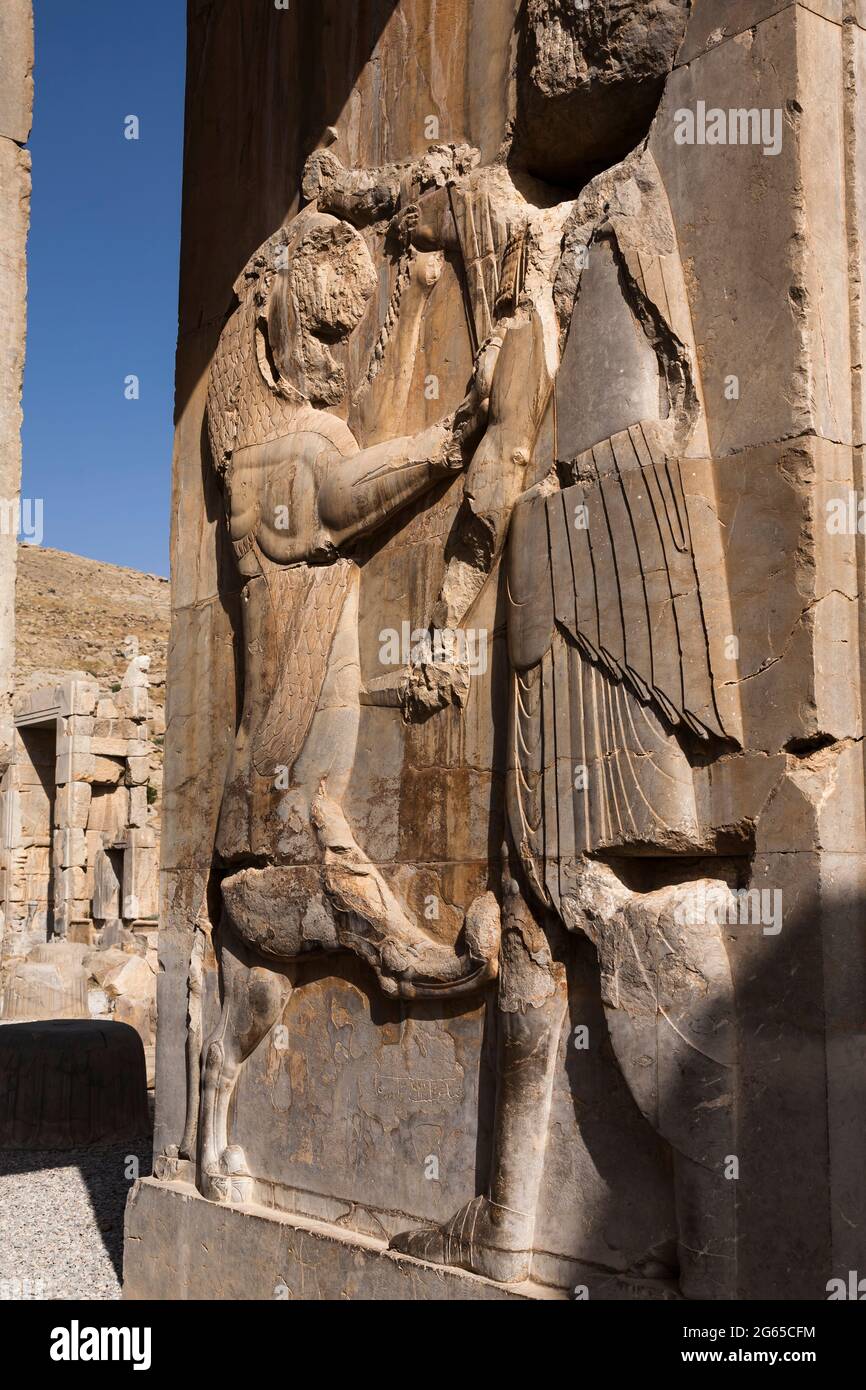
405,224
471,417
426,269
431,686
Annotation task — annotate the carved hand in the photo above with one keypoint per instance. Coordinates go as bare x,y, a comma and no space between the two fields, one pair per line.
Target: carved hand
470,419
404,225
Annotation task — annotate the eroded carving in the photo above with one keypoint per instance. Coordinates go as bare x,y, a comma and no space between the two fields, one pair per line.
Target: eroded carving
301,490
584,522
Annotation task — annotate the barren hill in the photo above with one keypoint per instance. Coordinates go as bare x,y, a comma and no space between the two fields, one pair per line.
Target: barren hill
72,613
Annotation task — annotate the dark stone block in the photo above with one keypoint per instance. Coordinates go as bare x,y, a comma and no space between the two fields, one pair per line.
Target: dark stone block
70,1082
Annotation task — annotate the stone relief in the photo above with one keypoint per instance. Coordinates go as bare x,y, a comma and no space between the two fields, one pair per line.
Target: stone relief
564,502
610,634
301,489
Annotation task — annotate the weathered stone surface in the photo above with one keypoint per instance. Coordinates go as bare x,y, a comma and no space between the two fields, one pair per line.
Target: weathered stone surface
16,70
529,652
14,222
284,1259
590,78
133,977
16,103
716,21
42,989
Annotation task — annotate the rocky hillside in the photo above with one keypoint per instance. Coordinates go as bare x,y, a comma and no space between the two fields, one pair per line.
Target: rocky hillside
72,614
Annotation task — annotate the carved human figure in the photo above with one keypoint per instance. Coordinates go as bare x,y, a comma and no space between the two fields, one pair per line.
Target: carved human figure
621,694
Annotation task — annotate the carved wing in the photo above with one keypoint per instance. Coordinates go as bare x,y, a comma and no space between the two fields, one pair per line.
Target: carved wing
612,634
618,606
625,582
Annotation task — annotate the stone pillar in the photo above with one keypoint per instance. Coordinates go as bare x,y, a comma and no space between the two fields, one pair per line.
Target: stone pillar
16,102
705,330
775,246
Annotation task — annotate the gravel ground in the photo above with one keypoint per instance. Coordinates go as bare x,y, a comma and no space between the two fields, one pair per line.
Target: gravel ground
61,1219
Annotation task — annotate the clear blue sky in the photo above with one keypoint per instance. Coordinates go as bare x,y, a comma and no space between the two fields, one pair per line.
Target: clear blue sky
102,273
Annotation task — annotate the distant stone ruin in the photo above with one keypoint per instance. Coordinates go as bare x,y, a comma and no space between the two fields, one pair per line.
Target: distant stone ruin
79,853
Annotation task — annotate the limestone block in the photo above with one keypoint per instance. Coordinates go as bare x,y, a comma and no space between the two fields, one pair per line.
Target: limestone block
73,743
70,848
95,844
45,701
140,882
62,918
26,773
137,771
106,887
72,805
139,1013
16,891
75,725
168,1219
98,1003
144,839
133,978
101,963
784,291
82,930
16,70
105,771
138,806
15,96
719,21
35,810
121,727
133,701
109,747
64,954
109,811
75,883
78,698
75,766
119,937
38,989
